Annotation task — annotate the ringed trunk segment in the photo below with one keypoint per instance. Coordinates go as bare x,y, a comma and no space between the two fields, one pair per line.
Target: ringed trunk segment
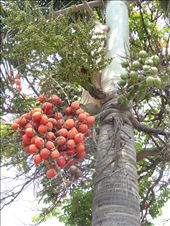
116,196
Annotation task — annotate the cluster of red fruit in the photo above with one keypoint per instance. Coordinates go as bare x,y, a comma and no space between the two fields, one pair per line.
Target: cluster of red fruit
18,82
55,138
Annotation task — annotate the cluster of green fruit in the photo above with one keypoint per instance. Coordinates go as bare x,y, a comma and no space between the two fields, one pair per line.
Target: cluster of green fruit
141,77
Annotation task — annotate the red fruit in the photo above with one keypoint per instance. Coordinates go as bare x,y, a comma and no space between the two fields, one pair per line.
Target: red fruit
65,156
54,99
53,121
71,151
90,120
80,110
58,116
14,126
50,112
22,121
36,116
71,143
79,138
83,128
49,125
32,148
27,149
80,148
61,140
55,154
50,136
28,115
47,106
26,139
28,125
33,139
17,120
69,123
19,88
68,111
41,99
62,132
59,102
60,123
42,129
36,125
44,119
51,173
61,162
44,153
36,109
62,148
82,117
29,132
50,145
39,142
37,159
81,155
75,106
71,133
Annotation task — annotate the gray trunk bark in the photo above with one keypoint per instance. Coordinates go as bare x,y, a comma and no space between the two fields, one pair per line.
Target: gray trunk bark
116,199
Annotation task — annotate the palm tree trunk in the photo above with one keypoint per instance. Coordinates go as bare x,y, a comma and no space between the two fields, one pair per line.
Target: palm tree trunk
116,196
116,199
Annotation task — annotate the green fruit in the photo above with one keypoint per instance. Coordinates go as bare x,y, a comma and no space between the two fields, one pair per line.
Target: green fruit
156,60
122,83
149,62
168,69
125,64
136,64
150,81
153,70
141,77
146,68
124,75
143,54
157,82
133,75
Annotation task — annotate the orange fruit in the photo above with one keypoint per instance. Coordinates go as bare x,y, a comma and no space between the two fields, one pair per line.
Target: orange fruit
51,173
69,123
75,106
37,159
55,154
44,153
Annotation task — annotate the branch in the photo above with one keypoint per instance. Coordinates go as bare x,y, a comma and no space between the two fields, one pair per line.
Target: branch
82,6
161,152
142,127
